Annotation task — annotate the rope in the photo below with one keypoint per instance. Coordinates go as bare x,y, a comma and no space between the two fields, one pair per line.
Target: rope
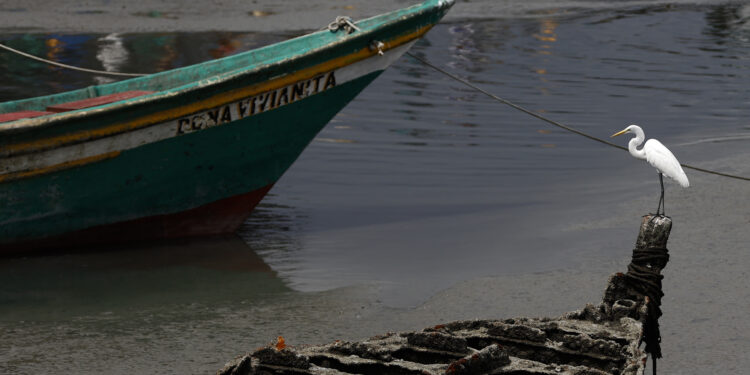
343,22
644,276
553,122
99,72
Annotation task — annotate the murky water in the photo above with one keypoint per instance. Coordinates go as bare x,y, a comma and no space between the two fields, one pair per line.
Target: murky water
425,201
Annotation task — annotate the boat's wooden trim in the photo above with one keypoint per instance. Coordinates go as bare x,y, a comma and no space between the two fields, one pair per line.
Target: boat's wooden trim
13,116
96,101
57,167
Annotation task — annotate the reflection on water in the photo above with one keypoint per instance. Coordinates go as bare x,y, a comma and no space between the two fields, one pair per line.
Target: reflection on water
437,183
273,232
729,23
129,53
112,54
133,279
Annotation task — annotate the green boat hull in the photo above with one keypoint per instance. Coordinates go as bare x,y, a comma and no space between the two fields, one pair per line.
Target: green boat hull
191,171
156,167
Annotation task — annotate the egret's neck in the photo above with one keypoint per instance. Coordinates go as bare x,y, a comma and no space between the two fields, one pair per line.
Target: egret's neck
633,144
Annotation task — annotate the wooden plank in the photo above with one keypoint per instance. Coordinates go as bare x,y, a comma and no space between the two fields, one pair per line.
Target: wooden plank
13,116
97,101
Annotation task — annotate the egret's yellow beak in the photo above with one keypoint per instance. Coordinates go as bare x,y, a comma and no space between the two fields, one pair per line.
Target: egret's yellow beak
619,133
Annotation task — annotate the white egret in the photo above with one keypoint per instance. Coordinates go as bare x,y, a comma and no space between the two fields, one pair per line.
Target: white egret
659,156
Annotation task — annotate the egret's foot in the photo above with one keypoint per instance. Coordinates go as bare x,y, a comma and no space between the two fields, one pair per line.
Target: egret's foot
658,215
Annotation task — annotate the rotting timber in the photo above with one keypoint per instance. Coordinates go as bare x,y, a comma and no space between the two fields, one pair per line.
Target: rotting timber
596,340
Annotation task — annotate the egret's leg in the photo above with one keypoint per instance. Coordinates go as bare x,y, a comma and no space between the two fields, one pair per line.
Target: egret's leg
661,198
661,195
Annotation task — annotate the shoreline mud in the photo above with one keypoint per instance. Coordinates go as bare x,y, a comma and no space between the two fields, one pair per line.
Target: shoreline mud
121,16
178,16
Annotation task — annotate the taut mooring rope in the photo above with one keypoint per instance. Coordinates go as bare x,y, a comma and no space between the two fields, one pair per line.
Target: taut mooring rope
553,122
99,72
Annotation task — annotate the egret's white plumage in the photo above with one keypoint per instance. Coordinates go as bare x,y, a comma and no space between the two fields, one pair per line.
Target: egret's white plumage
656,154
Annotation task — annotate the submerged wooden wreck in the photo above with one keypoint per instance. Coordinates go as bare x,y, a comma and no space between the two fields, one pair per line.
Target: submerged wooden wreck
596,340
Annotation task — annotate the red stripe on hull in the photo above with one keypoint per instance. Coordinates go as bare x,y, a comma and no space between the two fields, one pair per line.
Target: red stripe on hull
222,216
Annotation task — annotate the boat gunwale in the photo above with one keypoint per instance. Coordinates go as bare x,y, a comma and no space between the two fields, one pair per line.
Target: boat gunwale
414,11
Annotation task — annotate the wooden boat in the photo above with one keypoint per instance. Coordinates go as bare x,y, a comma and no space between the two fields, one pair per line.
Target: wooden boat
184,152
602,339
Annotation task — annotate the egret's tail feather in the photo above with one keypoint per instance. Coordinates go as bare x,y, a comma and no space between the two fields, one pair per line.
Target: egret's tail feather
683,180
